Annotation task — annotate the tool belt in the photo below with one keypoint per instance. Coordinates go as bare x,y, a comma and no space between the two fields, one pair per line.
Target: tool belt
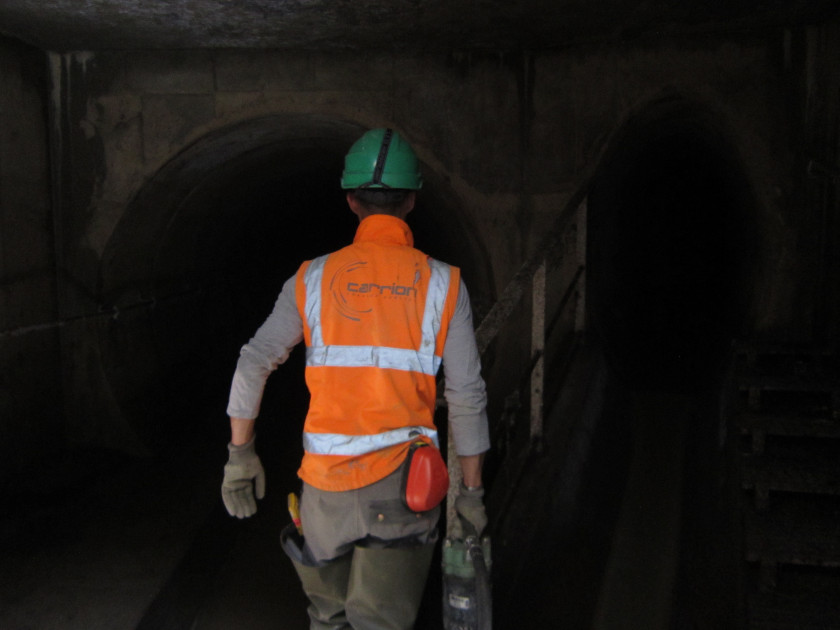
425,478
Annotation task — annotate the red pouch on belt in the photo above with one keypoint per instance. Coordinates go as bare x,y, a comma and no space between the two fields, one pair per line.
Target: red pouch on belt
425,480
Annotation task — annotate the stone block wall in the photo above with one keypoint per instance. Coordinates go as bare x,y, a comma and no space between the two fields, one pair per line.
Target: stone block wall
31,408
506,139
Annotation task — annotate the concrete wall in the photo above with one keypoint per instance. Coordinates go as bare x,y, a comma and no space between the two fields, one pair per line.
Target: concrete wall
147,140
506,139
819,195
512,136
30,393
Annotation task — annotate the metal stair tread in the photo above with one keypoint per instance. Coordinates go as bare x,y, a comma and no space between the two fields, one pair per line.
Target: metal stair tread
794,532
790,382
791,425
804,614
771,347
801,597
791,511
807,474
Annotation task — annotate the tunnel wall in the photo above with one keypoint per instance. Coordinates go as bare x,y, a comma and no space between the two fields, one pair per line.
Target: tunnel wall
512,137
820,192
29,366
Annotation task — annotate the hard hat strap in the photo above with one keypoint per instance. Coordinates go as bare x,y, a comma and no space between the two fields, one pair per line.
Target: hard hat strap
380,160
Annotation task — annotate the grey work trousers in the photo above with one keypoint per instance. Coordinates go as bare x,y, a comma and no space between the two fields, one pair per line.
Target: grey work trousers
364,556
374,516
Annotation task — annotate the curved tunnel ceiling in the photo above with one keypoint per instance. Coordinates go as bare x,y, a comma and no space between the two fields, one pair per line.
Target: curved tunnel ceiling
196,264
65,25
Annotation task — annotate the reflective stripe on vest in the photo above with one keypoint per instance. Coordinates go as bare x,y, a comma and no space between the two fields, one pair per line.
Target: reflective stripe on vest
353,445
373,356
422,360
312,280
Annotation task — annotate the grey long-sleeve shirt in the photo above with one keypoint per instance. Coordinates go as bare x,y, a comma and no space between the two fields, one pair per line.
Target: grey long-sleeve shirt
464,391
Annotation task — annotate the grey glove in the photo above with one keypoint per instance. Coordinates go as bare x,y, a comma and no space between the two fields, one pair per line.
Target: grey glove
243,471
469,504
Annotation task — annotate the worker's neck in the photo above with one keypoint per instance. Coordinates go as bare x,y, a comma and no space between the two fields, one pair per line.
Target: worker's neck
364,214
363,211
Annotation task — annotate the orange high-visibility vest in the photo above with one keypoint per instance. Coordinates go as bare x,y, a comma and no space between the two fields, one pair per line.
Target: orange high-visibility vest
375,317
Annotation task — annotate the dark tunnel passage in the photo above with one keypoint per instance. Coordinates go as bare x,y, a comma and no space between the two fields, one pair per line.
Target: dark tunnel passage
197,263
667,248
191,271
198,260
669,262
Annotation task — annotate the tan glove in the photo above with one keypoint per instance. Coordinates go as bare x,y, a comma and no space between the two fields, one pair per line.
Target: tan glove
243,474
469,504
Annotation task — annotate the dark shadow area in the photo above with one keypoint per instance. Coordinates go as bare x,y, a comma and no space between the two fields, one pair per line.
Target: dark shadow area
194,268
198,260
670,274
553,539
191,271
667,249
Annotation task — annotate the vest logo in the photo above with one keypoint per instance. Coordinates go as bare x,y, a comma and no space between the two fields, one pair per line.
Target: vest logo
346,284
382,289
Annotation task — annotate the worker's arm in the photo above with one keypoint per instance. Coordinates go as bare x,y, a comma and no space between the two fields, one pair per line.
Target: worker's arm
268,348
241,431
467,403
466,398
244,478
469,504
471,469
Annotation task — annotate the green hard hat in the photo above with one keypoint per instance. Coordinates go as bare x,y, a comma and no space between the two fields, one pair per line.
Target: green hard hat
381,158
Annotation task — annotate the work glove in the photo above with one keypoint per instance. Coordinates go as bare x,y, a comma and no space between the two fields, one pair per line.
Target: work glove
243,472
469,505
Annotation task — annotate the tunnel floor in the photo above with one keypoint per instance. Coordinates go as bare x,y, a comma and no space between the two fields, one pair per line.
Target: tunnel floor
96,540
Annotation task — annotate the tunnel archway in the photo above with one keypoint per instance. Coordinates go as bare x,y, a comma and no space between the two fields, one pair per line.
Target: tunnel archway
199,257
668,246
670,270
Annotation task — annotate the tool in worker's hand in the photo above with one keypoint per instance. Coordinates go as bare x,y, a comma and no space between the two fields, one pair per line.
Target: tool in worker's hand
294,511
466,581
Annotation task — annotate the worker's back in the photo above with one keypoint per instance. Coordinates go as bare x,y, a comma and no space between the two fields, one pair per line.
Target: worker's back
375,318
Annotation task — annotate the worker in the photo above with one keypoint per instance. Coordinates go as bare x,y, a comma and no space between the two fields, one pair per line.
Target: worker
378,318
